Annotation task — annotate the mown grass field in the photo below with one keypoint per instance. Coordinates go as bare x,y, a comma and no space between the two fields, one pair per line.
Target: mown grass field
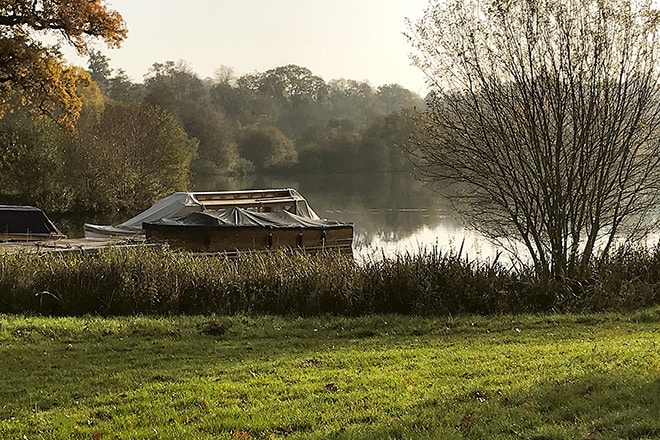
384,376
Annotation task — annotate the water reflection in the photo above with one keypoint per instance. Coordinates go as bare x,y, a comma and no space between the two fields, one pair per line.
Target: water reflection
391,212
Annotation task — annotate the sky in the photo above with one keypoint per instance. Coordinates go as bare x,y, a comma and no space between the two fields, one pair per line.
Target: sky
352,39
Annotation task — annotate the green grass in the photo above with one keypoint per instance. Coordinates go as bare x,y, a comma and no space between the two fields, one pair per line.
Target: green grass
382,376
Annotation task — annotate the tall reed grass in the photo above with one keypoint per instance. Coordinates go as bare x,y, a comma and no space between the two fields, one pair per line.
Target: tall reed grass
145,280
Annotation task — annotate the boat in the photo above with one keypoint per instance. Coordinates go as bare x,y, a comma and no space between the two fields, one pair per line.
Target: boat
180,204
26,223
234,230
27,229
234,221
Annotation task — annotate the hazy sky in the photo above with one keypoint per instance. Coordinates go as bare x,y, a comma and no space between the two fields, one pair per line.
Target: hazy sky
352,39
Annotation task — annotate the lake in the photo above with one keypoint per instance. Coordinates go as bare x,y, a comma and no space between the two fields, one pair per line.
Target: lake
391,212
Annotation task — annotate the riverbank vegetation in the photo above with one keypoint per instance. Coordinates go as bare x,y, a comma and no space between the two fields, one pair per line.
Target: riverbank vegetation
134,143
159,281
92,142
581,376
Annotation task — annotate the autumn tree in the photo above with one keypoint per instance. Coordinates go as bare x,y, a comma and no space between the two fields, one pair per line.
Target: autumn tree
41,160
147,149
546,116
33,74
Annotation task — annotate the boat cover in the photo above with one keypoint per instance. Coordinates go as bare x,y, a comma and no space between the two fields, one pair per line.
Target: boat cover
232,217
176,205
26,220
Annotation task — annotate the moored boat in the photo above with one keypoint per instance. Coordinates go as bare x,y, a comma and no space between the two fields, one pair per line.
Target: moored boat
26,223
237,229
234,221
181,204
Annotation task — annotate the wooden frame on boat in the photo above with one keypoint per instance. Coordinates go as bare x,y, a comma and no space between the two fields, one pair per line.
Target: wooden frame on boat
262,200
233,239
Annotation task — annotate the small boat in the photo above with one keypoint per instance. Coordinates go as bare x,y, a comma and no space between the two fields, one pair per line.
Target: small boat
181,204
234,221
237,229
26,223
28,229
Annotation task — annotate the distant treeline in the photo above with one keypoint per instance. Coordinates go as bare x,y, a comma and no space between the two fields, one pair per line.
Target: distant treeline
136,142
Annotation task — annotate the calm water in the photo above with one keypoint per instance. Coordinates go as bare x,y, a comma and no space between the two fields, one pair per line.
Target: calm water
391,212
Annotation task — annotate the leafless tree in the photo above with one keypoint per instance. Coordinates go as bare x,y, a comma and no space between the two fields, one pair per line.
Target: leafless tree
545,117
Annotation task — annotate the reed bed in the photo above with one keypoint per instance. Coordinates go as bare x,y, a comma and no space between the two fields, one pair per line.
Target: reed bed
159,281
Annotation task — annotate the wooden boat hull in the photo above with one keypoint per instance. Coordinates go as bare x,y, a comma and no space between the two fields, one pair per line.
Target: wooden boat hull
231,239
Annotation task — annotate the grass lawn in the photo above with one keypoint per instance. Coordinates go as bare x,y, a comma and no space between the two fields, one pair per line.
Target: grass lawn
398,377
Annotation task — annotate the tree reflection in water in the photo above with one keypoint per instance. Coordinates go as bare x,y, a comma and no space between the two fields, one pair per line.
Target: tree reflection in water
391,212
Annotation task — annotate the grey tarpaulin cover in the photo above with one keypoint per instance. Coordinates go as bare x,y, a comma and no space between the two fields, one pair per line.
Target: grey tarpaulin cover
175,205
232,217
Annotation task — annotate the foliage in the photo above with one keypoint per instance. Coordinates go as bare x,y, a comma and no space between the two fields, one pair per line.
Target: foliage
125,156
392,98
176,89
380,377
99,67
152,145
119,86
353,100
324,120
118,160
33,163
331,148
133,155
33,75
262,121
382,141
545,114
299,94
153,280
266,147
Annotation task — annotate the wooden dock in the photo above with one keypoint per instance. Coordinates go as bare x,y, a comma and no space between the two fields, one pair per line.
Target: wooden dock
83,245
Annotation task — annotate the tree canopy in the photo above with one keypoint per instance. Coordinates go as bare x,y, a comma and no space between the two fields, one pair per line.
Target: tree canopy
134,142
546,116
33,74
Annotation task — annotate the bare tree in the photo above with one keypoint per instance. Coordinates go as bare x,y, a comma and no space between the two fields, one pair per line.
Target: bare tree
545,114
